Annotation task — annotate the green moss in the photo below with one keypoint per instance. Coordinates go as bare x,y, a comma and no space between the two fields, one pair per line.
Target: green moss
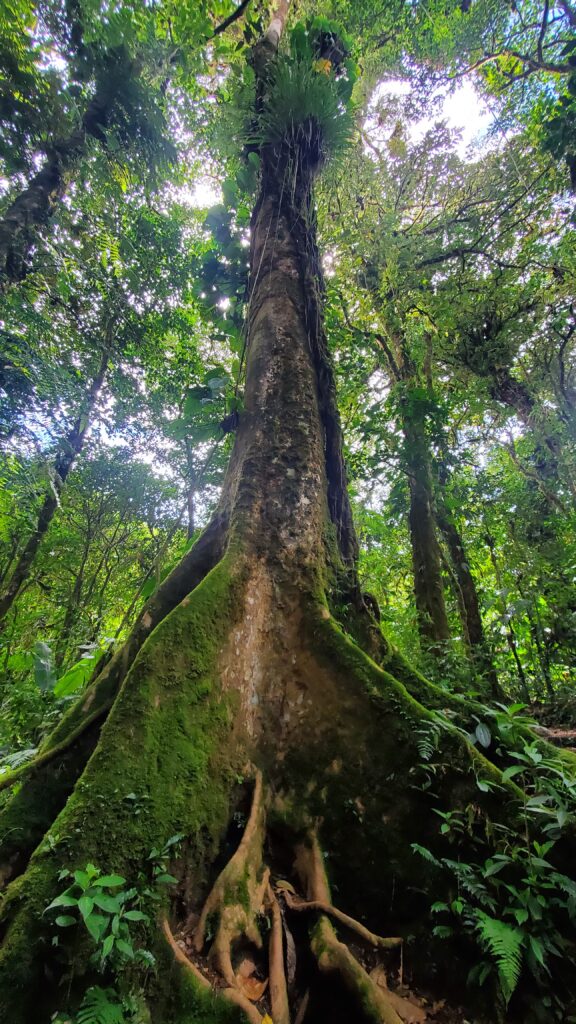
238,892
176,997
161,766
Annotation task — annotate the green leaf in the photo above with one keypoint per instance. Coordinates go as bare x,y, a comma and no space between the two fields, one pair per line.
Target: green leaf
125,947
96,925
483,734
64,900
65,921
85,906
109,903
76,676
135,915
109,881
504,943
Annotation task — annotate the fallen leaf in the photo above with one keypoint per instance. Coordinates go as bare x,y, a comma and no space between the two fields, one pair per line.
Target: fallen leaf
284,886
252,987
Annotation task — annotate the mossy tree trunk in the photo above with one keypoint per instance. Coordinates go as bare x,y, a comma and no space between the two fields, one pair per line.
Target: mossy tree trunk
433,626
468,601
426,555
238,668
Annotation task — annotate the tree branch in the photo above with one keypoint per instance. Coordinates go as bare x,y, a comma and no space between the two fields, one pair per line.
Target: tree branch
230,19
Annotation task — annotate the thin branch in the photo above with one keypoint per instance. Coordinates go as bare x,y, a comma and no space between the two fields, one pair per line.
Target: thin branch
230,19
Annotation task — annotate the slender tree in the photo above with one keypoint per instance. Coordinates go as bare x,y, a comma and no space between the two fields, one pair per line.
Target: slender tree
70,448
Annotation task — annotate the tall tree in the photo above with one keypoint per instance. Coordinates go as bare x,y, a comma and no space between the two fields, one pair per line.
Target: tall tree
256,683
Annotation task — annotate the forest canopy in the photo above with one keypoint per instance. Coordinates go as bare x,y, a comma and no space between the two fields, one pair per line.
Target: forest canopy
287,526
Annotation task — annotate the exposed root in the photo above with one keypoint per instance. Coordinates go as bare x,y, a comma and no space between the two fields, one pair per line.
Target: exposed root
241,892
278,989
299,1018
333,956
355,926
231,995
237,895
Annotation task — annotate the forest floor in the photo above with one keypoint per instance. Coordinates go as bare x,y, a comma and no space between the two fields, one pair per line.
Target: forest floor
413,1006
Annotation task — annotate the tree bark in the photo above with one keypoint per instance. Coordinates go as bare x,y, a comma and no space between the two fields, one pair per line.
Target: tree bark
426,555
433,625
469,605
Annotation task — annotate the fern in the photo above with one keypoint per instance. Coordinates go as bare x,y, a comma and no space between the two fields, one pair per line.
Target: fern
427,742
299,101
99,1008
504,944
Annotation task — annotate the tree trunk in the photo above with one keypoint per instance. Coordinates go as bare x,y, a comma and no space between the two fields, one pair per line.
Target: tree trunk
191,485
34,206
468,603
426,555
548,462
248,695
71,448
433,624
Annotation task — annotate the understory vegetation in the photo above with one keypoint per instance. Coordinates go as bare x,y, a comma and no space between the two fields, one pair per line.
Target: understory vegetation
287,515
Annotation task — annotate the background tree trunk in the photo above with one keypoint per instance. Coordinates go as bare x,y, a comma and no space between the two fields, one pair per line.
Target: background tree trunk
70,449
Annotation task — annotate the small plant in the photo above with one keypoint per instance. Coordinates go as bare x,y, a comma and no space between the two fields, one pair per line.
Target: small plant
102,1006
107,910
509,904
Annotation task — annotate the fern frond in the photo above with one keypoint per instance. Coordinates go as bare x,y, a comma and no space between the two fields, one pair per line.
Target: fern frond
504,944
98,1008
299,96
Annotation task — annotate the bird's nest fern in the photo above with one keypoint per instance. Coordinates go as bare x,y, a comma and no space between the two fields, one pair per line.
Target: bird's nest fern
304,106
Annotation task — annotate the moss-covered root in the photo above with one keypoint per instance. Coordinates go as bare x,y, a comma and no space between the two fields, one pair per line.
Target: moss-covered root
231,995
237,895
161,767
47,781
332,955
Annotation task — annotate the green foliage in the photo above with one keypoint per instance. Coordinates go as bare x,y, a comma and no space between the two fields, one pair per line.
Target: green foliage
513,904
104,1006
449,313
504,943
100,1006
107,911
305,109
